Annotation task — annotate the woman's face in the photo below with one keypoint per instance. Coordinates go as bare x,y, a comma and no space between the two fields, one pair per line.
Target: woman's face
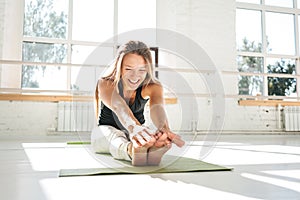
134,71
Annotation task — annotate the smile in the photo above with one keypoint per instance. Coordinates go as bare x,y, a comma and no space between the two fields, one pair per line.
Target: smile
133,81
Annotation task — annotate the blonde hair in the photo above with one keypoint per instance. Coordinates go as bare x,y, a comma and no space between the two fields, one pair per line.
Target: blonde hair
114,71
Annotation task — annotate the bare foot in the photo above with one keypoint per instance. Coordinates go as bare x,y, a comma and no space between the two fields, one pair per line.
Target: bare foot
139,153
155,154
139,156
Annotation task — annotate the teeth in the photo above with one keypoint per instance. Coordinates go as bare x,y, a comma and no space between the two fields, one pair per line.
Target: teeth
134,82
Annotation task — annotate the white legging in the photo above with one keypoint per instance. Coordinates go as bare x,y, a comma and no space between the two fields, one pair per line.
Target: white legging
108,139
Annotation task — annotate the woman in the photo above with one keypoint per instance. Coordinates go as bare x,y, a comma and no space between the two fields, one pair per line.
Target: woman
123,94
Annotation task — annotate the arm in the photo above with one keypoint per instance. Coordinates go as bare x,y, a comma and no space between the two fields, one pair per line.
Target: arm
157,111
109,95
111,98
159,116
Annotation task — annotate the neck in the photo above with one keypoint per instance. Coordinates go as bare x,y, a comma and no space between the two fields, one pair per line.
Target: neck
128,93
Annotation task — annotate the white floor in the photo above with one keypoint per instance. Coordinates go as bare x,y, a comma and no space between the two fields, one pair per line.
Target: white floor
265,167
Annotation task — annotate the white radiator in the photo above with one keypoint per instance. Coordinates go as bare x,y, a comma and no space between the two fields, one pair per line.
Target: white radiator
292,118
75,116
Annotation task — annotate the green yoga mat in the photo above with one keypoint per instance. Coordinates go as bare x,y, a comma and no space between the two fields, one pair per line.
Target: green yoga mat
78,142
169,164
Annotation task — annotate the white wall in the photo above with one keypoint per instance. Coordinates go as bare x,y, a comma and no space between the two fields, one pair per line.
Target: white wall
211,24
27,118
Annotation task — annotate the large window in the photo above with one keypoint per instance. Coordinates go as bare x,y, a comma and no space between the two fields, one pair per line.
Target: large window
59,35
267,40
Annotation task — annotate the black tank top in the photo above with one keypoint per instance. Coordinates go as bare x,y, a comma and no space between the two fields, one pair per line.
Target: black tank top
108,117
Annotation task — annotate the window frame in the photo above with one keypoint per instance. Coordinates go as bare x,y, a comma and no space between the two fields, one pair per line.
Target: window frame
20,38
265,55
69,42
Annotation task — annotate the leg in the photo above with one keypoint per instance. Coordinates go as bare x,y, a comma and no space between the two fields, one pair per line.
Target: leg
156,152
107,139
139,152
99,142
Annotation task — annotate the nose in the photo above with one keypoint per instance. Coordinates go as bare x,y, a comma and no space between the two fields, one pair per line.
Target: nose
135,73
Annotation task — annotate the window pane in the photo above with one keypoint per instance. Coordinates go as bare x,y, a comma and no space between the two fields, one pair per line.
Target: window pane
84,78
74,74
46,18
92,55
44,52
250,85
136,14
281,3
282,86
93,20
248,30
46,78
280,33
250,64
249,1
298,3
281,66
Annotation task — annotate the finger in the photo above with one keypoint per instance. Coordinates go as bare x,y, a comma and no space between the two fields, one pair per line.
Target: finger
178,141
168,142
147,137
158,134
164,136
172,135
135,144
140,139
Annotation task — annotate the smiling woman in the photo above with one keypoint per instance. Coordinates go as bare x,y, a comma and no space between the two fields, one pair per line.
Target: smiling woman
124,93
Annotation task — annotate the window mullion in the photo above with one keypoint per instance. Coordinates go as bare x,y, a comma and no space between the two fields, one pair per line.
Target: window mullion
69,43
70,28
264,50
22,4
298,78
297,62
296,25
116,24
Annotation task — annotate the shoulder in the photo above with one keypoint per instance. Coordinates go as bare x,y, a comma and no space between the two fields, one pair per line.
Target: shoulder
152,89
105,85
104,82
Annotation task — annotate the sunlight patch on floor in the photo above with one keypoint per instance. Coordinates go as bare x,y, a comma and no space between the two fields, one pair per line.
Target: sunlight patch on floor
53,157
244,157
295,174
112,186
274,181
44,145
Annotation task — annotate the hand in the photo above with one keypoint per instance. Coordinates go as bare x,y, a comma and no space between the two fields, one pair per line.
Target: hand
167,135
141,136
161,139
